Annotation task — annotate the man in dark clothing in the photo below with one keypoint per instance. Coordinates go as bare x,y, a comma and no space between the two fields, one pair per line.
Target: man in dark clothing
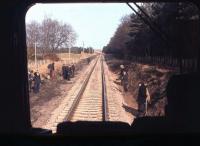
73,70
49,66
122,69
88,60
143,97
68,73
53,66
30,79
51,70
125,81
37,81
64,71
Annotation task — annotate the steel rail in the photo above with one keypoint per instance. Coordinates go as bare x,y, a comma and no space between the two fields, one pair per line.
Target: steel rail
80,93
104,93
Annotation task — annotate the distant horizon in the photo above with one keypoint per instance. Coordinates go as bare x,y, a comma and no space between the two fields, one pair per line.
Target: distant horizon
94,23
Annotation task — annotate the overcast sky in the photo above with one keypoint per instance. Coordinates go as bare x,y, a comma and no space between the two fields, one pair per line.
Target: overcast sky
94,23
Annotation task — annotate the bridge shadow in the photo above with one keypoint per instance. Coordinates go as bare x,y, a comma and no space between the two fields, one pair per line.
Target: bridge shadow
131,110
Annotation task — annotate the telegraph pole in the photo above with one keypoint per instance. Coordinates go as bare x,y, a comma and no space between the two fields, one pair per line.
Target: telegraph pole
36,65
83,50
69,55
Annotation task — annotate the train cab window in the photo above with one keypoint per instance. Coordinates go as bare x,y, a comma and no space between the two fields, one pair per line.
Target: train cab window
107,61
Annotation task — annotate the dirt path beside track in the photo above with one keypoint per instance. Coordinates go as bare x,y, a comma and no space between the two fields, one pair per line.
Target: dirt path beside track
51,95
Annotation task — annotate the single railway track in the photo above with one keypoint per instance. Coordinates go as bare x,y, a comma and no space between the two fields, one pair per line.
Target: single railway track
104,93
90,103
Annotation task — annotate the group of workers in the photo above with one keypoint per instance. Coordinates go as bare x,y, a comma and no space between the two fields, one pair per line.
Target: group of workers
143,94
34,81
34,78
68,71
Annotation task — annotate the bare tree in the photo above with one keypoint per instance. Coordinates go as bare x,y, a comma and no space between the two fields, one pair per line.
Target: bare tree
51,35
33,35
57,35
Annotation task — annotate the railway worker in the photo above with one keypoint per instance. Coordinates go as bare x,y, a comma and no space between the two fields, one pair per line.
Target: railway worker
51,70
73,70
143,99
122,69
37,81
64,71
30,79
125,81
88,60
68,73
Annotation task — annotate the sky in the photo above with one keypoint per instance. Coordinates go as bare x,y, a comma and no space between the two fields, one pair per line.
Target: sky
94,23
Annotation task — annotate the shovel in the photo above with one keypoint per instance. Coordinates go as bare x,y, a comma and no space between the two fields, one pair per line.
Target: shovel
146,108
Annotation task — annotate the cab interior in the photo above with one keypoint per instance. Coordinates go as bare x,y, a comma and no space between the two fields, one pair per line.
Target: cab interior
15,108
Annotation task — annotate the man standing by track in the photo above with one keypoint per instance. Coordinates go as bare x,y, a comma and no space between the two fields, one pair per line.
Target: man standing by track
143,99
51,70
124,80
37,81
64,71
73,70
30,80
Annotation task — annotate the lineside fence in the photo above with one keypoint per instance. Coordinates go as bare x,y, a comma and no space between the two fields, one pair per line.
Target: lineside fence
185,65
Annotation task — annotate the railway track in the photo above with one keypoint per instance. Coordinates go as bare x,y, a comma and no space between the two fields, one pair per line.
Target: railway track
93,98
90,103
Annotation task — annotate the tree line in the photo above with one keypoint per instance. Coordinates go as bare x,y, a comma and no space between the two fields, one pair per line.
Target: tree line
76,50
159,33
